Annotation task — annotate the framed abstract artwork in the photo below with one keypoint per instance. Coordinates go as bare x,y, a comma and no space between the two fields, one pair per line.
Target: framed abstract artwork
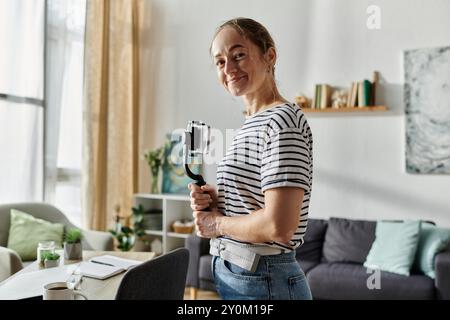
427,109
174,180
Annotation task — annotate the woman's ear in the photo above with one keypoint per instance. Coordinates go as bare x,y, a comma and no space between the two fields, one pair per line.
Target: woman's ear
271,56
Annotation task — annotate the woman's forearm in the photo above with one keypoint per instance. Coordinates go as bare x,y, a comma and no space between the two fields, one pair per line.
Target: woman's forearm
254,227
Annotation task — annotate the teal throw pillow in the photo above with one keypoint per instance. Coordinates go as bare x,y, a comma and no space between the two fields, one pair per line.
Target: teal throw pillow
432,240
394,247
26,231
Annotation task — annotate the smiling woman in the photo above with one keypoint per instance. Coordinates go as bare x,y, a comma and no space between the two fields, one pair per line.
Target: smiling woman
241,50
259,213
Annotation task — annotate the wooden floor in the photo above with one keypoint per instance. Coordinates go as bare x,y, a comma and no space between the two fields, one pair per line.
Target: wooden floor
202,295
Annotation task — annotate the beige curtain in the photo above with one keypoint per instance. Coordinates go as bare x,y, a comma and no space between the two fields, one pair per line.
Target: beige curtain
110,117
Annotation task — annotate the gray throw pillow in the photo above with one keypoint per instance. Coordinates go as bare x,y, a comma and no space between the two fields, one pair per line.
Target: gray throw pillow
311,250
348,240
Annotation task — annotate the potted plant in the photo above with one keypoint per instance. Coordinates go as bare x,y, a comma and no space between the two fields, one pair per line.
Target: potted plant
154,159
51,259
72,244
142,243
124,235
129,237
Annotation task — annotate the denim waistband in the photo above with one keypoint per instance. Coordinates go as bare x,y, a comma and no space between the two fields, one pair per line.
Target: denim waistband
247,256
282,257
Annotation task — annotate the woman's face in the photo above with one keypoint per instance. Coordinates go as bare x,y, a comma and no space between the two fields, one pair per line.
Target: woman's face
241,67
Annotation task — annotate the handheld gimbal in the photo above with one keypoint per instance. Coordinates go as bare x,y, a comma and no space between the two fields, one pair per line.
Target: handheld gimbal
196,141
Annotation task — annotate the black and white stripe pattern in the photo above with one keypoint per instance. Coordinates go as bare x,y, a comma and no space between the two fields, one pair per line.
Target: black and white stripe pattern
273,149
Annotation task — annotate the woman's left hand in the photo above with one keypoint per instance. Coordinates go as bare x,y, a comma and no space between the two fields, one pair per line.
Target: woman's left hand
207,223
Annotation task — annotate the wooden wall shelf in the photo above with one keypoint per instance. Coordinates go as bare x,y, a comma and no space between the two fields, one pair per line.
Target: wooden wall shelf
347,109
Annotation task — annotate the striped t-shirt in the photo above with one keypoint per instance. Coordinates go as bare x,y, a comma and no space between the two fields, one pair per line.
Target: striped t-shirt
272,149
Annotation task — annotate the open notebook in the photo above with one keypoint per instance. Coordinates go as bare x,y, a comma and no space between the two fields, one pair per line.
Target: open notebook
106,266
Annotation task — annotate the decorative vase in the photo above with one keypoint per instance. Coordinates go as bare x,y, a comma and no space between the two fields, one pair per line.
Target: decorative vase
155,180
141,245
73,251
51,263
156,246
44,247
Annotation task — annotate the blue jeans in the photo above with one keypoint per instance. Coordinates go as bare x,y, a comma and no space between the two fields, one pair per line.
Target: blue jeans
277,277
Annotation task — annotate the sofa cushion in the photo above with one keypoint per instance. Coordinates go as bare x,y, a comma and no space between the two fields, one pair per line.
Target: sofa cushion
206,280
349,281
394,247
207,285
432,240
311,250
26,232
307,265
205,271
348,240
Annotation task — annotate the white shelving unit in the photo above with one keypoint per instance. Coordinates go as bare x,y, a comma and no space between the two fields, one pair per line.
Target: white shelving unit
174,207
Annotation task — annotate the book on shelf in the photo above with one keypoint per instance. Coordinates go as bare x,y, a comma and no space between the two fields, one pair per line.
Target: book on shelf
325,96
322,96
314,98
354,95
360,94
375,78
317,96
364,88
106,266
367,91
349,95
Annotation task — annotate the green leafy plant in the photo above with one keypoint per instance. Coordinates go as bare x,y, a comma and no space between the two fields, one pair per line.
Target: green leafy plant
125,235
73,235
50,256
138,221
155,160
122,232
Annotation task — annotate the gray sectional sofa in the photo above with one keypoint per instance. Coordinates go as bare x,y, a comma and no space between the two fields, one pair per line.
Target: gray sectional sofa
332,259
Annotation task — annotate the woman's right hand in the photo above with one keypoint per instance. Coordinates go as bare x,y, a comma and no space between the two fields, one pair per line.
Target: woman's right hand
202,197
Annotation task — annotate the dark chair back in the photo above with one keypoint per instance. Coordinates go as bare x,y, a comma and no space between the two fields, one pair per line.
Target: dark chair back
162,278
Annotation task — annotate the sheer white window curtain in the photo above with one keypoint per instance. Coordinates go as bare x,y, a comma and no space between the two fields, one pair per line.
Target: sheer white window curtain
64,94
21,100
22,116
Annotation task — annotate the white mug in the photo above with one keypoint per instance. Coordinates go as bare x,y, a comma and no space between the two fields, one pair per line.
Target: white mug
60,291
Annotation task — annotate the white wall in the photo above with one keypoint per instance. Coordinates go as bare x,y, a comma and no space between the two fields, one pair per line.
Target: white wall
359,159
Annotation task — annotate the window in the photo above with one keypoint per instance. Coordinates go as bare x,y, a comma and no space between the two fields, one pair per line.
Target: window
21,100
64,93
41,102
